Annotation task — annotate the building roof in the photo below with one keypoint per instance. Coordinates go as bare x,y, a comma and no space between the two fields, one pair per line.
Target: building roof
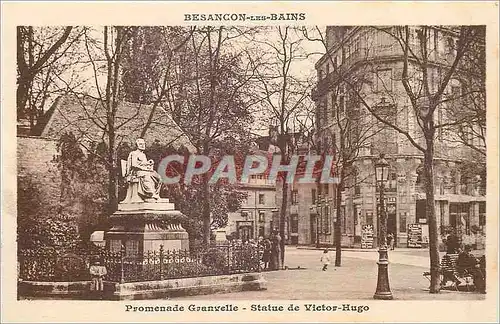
85,117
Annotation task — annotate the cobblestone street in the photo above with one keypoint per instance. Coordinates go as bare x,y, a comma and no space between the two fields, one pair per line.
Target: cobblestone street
356,279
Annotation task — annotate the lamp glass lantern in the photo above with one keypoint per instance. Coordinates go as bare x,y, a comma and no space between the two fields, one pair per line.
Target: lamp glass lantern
381,170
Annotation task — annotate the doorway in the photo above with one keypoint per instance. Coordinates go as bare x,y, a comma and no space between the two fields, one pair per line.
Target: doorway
313,227
245,231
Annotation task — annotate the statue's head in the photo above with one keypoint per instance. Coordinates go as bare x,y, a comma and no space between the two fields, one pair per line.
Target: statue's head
141,144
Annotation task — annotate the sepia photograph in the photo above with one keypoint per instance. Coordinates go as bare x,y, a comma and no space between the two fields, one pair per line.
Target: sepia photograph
160,167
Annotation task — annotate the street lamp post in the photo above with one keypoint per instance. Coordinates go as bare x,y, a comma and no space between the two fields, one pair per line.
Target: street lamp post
383,290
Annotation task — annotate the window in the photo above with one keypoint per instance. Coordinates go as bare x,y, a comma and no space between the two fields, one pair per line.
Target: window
420,212
440,121
295,197
313,196
441,214
326,219
344,220
466,213
384,80
414,36
327,69
131,248
261,199
357,187
334,108
262,216
482,207
482,213
320,74
115,245
392,183
420,175
295,223
402,221
325,109
369,218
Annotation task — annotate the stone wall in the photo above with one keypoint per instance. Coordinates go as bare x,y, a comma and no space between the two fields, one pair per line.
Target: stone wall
144,290
36,162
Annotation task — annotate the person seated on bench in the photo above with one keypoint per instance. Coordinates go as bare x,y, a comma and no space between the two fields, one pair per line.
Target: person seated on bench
448,269
467,264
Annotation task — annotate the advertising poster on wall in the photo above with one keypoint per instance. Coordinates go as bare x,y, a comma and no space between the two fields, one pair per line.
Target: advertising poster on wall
367,237
414,235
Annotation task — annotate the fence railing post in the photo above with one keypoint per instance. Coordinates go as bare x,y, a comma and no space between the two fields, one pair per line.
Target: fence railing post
161,261
122,268
228,259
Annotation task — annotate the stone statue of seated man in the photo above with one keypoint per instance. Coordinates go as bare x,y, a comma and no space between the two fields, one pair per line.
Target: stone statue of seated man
144,182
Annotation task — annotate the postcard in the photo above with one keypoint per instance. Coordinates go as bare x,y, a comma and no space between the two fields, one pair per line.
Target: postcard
249,162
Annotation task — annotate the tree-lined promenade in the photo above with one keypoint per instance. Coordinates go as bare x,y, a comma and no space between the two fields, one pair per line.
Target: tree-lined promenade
203,94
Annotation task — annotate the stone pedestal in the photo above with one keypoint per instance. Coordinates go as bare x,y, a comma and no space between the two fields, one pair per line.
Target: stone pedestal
144,226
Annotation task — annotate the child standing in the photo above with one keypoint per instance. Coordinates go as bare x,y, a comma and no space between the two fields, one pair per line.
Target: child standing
325,259
97,273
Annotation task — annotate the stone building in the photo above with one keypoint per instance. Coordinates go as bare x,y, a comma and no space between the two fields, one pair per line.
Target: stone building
372,57
255,217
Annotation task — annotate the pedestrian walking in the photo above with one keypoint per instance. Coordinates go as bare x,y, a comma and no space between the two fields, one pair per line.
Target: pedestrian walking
390,241
325,259
266,257
275,251
278,251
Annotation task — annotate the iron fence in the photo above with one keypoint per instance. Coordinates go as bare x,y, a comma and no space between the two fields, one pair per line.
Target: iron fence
152,265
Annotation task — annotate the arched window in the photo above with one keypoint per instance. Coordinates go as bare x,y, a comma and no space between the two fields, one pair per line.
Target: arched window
420,175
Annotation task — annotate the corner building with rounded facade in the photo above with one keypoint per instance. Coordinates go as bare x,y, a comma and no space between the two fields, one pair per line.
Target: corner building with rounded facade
371,59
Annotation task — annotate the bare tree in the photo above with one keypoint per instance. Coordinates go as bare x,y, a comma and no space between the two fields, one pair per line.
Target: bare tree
44,54
465,105
285,97
100,105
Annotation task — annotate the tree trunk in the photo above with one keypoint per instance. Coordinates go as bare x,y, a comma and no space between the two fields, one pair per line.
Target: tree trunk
23,86
338,238
206,211
113,181
283,209
431,216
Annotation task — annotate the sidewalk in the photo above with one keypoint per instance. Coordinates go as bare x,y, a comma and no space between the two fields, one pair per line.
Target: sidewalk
356,279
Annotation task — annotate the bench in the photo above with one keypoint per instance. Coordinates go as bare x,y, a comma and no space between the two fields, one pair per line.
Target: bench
450,272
